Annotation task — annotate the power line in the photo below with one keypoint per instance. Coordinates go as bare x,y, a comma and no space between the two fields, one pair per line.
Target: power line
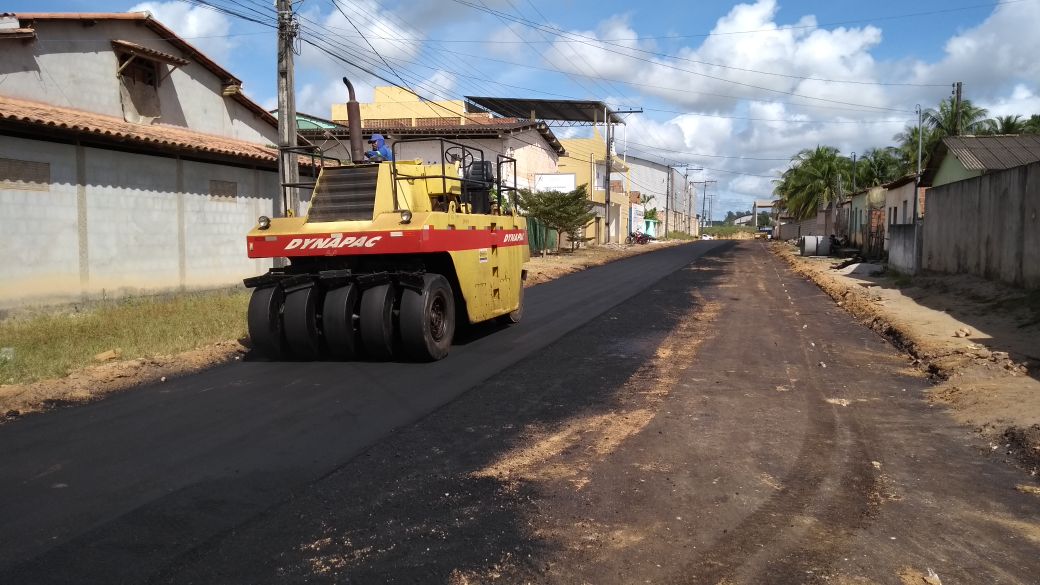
558,31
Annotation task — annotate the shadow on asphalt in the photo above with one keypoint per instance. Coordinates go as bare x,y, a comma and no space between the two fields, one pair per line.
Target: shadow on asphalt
411,509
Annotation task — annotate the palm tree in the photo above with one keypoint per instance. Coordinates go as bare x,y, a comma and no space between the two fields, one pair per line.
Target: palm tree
817,176
1006,125
879,166
1032,125
972,119
907,146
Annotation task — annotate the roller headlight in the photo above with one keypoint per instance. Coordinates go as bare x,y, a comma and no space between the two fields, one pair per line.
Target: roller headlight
264,222
406,216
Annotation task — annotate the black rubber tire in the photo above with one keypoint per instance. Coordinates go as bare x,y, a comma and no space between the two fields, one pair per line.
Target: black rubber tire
339,321
300,320
427,319
264,321
629,240
513,317
377,321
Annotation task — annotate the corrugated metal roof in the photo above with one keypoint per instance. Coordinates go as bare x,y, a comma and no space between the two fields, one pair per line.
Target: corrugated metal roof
992,153
35,114
587,111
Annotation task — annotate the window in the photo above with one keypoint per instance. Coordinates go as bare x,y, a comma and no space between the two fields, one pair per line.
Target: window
905,217
139,88
138,69
24,175
223,190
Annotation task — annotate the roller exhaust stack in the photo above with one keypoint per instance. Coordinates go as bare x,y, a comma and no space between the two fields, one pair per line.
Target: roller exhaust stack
357,150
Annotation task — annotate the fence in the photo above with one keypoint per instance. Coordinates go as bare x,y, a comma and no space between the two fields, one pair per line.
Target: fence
988,226
904,245
540,236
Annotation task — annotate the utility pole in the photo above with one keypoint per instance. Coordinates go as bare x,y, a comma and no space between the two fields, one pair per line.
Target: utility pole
607,113
689,199
957,108
610,171
288,168
667,199
853,172
705,203
668,194
920,142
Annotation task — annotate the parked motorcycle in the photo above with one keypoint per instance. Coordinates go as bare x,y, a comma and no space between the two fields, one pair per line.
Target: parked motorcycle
637,238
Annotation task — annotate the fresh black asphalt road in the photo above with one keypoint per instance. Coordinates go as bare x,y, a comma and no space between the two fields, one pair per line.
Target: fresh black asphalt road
116,488
699,414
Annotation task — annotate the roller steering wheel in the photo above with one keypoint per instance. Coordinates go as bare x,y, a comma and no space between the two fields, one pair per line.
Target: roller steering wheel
457,153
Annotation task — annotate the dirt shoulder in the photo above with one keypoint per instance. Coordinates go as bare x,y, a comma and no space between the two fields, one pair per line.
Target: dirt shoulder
980,341
124,362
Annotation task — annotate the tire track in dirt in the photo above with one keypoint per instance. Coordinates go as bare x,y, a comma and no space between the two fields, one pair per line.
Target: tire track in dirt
824,498
549,454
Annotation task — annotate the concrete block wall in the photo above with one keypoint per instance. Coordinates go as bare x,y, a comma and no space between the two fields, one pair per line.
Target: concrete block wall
904,247
114,223
38,229
794,230
987,226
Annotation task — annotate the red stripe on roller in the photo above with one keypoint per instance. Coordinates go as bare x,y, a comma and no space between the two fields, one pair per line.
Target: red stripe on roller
381,242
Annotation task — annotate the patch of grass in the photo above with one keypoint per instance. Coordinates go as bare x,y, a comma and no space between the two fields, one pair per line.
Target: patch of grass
728,231
674,235
53,344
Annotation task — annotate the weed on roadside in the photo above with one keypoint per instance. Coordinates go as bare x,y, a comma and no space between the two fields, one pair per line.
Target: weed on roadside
50,345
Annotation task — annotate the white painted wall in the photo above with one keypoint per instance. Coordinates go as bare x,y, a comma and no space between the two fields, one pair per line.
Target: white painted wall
142,234
74,66
649,178
38,234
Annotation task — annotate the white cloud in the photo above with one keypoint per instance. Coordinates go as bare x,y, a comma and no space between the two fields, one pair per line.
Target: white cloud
206,29
1022,100
995,59
993,55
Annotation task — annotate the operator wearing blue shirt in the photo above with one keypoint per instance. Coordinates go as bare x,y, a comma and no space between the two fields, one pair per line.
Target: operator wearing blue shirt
380,151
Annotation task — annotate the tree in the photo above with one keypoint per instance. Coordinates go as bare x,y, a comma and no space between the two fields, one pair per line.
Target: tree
1006,125
1032,125
969,120
733,216
764,219
907,148
878,166
567,213
817,177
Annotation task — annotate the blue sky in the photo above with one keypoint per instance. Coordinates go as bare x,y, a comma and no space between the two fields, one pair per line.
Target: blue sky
735,88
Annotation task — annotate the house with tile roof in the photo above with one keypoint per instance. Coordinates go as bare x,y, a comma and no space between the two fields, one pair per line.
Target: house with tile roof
129,160
398,114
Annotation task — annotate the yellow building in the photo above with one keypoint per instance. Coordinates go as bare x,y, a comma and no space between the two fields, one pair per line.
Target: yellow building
393,107
586,159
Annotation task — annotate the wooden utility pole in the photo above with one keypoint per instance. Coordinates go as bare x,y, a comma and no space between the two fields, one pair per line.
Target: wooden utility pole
288,167
957,108
667,199
610,171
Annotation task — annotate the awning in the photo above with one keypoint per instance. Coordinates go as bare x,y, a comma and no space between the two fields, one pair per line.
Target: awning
565,112
147,53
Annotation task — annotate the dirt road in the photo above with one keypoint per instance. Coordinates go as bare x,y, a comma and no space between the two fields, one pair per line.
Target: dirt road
727,424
